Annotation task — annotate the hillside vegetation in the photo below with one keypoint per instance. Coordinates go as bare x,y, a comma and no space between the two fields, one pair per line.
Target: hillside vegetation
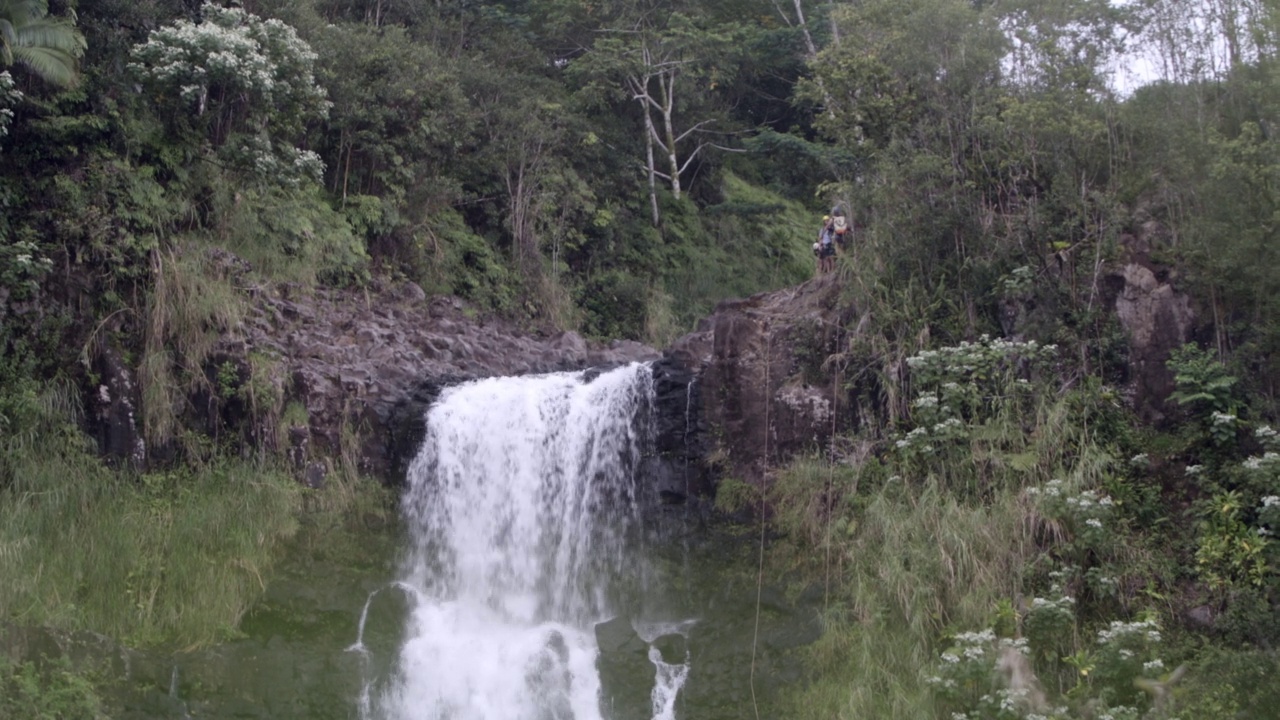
1006,541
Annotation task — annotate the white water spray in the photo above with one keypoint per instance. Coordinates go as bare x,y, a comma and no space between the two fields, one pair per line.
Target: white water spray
522,509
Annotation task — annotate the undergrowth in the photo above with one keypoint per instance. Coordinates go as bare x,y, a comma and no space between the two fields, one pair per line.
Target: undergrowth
47,690
166,558
997,557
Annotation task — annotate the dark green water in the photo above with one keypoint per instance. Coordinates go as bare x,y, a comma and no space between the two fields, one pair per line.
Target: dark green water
292,657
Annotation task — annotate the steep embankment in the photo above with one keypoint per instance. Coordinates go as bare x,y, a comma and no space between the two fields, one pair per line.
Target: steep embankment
330,372
772,375
760,379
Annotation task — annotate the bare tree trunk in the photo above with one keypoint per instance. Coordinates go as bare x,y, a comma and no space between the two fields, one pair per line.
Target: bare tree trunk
804,28
640,91
653,179
668,84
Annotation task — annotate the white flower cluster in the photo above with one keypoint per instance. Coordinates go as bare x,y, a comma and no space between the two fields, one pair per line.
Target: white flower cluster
1087,510
262,63
925,437
1052,489
1194,470
967,357
1140,460
1221,418
9,95
1265,433
1120,631
1106,581
1266,460
27,259
1088,499
1269,516
1063,603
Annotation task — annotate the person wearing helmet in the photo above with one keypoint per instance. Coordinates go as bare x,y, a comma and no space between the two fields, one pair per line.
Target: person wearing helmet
825,246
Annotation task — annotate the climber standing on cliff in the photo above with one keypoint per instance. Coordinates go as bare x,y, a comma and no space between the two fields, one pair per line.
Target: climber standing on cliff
825,248
841,228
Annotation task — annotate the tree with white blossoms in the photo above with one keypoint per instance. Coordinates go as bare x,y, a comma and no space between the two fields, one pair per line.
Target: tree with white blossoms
243,83
9,96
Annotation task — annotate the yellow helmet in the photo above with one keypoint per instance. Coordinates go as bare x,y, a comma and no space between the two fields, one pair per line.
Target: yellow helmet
826,218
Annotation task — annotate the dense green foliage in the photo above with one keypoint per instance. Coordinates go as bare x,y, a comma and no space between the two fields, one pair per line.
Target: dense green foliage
165,558
618,168
47,690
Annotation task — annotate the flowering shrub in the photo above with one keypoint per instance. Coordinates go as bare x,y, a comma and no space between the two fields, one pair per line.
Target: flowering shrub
964,384
21,267
985,676
1269,516
1049,622
1084,513
987,365
233,56
279,164
234,72
9,96
967,677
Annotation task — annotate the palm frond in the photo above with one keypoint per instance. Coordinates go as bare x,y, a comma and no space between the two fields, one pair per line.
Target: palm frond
53,66
47,46
7,40
53,34
21,12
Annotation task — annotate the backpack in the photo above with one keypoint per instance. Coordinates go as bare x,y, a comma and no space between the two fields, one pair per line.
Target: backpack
840,225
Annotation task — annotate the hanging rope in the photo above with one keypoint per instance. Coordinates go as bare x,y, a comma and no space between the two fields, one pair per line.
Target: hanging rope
764,484
831,471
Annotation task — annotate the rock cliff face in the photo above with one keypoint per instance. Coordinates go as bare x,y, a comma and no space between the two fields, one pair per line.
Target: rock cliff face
759,393
351,374
372,365
1156,317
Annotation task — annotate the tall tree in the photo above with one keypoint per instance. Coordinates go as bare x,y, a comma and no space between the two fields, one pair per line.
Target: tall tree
670,69
50,47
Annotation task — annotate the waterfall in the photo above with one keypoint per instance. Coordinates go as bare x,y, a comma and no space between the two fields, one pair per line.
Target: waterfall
522,511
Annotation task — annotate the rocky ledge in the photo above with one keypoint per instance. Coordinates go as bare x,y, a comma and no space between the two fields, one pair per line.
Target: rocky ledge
349,374
750,387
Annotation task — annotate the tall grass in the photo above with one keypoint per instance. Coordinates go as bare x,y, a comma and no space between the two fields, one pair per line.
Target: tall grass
909,553
192,305
903,569
162,558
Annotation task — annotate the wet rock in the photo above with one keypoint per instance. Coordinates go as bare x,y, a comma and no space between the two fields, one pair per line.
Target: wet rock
299,447
673,648
1202,616
410,293
760,392
117,404
626,673
1157,319
313,477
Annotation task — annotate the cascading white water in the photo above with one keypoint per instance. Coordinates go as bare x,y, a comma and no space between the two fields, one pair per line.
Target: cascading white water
522,509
